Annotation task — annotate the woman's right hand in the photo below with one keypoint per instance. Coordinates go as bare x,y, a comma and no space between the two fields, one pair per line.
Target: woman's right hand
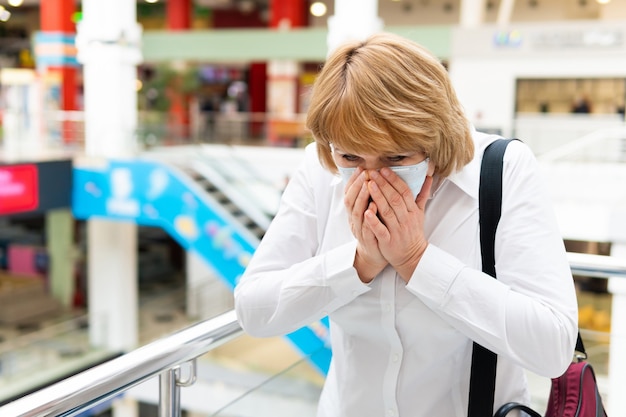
368,260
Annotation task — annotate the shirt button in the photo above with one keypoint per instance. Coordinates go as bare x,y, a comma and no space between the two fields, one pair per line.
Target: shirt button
387,308
391,413
395,358
355,293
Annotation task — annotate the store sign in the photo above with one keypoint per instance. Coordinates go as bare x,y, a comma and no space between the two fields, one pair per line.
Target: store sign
19,190
508,38
35,187
597,38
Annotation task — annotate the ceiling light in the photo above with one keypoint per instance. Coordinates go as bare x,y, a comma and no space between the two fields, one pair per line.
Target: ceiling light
5,15
15,3
603,1
318,9
152,1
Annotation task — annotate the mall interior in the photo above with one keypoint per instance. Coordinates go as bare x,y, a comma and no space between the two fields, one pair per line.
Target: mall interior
144,147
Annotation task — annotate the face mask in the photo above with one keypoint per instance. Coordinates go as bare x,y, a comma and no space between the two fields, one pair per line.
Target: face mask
413,175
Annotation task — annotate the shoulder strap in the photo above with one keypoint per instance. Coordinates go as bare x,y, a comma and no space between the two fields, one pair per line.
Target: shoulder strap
483,371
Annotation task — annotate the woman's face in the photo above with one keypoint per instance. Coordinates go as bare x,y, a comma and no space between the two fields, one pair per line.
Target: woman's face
377,161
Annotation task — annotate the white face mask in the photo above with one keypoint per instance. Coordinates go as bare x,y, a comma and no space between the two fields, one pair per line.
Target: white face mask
413,175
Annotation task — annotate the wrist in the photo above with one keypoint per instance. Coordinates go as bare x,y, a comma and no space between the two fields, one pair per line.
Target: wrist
407,268
366,270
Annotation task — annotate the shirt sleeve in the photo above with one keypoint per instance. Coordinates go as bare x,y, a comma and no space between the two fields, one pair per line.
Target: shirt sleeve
287,284
528,314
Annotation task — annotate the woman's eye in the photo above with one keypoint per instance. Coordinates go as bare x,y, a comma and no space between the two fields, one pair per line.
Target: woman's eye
351,158
396,158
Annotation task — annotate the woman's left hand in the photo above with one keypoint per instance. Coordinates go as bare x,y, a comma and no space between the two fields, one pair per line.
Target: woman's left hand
399,225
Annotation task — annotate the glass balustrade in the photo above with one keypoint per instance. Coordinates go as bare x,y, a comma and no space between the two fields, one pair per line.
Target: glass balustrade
238,375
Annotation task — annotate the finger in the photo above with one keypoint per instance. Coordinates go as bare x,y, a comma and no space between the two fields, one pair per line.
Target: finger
395,189
374,208
424,194
375,225
367,234
390,204
359,207
385,213
354,176
353,188
362,200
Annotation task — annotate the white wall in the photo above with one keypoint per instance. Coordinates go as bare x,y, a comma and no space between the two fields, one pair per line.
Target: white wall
484,74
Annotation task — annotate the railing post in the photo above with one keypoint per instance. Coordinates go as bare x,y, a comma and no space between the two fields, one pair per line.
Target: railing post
169,389
169,393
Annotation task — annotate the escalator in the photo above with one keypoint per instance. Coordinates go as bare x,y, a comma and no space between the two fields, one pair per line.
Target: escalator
246,212
217,207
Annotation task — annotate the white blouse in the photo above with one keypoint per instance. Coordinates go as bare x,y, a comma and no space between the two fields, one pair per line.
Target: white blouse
405,349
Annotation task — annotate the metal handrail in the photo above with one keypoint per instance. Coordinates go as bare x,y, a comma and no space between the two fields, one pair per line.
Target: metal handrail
83,391
163,357
598,266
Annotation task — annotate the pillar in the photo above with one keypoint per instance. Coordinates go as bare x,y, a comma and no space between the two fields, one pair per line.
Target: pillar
56,59
504,12
108,42
282,76
353,19
472,13
178,17
60,247
178,14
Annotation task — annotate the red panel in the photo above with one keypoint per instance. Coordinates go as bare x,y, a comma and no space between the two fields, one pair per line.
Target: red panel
257,90
19,189
178,14
56,16
292,11
257,87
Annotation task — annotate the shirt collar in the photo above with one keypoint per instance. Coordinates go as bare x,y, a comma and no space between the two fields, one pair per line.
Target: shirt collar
468,178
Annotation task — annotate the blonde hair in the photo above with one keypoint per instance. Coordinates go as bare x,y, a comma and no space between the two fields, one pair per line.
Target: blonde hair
388,94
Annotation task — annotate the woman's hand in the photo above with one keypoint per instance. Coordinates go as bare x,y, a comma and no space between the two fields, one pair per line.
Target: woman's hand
369,260
398,224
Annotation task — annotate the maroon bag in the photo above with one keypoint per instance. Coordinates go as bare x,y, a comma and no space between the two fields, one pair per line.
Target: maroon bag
573,394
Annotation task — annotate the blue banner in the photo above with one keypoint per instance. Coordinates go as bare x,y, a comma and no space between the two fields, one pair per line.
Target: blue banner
154,194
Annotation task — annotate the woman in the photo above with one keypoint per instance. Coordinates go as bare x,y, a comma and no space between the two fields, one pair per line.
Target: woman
396,265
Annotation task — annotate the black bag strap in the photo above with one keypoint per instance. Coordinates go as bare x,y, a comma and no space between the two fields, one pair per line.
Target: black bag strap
484,362
483,371
580,347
